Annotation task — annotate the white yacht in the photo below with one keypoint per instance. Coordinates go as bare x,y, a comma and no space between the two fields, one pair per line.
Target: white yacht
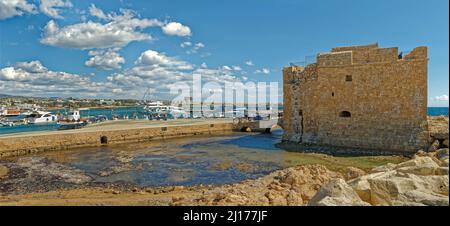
178,112
157,108
41,117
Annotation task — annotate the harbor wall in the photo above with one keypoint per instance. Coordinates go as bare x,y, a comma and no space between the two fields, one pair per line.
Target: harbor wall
22,145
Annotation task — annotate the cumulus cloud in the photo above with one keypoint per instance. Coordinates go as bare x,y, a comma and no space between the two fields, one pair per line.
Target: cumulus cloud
151,58
11,8
105,59
117,32
32,66
176,29
52,8
160,72
33,78
109,30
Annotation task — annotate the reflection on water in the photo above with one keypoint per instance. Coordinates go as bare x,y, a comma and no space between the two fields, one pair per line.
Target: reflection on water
196,160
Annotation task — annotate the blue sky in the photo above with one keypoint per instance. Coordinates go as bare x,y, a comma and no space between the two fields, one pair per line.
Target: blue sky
109,48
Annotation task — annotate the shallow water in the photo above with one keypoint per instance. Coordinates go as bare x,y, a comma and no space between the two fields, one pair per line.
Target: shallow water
182,161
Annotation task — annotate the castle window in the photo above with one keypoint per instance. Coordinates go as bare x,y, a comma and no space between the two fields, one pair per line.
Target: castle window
345,114
332,94
300,112
348,78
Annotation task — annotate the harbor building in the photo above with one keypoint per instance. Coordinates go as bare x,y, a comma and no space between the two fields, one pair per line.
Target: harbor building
359,96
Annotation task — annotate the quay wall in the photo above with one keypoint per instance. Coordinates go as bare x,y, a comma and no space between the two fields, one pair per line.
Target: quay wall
22,145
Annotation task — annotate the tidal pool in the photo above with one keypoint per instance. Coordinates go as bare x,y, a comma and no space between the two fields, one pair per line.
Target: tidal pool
180,161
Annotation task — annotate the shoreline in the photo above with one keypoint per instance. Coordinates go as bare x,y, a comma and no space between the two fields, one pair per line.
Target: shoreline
108,133
302,185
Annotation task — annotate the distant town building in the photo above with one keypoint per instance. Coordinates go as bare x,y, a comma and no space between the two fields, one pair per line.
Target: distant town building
359,96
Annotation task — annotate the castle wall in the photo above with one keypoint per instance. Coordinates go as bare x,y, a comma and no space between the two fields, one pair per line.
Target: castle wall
386,97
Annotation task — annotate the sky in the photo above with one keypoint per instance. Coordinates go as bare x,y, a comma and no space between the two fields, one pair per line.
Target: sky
121,49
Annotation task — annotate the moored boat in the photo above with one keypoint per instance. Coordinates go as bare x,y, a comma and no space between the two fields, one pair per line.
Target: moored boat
41,117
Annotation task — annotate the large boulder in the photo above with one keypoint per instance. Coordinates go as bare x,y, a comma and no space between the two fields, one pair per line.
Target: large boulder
419,181
353,172
419,166
337,193
442,154
435,145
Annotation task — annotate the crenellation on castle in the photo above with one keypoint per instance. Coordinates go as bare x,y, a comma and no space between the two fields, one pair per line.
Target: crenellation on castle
359,96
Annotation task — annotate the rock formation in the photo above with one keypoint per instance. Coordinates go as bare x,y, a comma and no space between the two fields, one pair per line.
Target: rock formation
423,180
292,186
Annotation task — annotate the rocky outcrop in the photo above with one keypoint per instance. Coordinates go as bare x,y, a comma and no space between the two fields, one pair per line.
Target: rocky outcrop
292,186
423,180
337,193
438,126
353,172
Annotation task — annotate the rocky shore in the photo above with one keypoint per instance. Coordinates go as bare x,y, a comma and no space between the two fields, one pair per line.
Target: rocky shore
421,180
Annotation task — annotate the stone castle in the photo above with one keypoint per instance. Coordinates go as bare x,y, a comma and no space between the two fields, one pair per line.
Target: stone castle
359,96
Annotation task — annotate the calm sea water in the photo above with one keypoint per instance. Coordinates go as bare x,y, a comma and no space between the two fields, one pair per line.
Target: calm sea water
437,111
131,111
219,159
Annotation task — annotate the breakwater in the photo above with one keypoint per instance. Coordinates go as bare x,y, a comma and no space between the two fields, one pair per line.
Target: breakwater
109,133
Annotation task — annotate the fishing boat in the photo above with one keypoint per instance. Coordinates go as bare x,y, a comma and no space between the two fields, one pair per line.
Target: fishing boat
41,117
64,125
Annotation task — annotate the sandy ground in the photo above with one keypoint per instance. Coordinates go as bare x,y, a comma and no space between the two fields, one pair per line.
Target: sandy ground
98,196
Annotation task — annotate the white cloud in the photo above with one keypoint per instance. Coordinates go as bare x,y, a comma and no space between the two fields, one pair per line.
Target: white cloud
105,60
11,8
199,45
151,59
118,32
96,12
441,98
32,66
185,44
159,72
237,68
195,48
52,8
226,68
32,78
176,29
262,71
249,63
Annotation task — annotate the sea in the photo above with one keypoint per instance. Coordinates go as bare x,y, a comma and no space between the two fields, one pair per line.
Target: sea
131,112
